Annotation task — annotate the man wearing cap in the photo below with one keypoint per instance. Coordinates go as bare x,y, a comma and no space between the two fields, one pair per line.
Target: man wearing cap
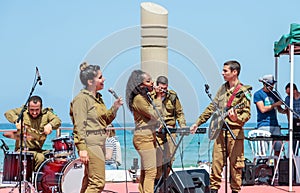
267,102
172,112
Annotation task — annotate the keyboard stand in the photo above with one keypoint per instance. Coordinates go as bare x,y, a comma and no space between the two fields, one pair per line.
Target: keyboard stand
278,160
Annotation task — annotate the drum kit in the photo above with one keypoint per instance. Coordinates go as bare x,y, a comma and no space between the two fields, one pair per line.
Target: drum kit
61,172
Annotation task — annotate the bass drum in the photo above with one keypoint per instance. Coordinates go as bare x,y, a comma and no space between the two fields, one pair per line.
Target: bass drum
60,176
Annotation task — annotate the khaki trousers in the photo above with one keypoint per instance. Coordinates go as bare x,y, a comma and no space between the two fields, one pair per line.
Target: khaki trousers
163,156
235,152
94,172
144,143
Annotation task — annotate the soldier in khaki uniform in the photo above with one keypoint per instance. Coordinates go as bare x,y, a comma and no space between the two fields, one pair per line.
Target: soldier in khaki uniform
146,122
236,119
38,123
172,112
90,118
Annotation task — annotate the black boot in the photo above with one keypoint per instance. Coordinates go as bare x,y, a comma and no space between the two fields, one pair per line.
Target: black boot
214,191
234,191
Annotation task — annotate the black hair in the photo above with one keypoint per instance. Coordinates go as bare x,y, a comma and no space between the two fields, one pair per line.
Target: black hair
162,80
133,86
234,65
35,99
289,85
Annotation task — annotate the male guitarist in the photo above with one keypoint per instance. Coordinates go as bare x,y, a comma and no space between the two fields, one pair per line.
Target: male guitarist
230,94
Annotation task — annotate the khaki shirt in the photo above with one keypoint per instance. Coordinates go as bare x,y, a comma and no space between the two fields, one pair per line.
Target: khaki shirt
144,113
172,109
34,126
89,113
221,100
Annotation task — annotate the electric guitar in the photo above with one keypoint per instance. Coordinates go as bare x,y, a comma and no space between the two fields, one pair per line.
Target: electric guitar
216,122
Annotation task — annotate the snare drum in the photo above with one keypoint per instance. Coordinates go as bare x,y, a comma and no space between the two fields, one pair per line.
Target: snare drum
11,167
63,146
59,175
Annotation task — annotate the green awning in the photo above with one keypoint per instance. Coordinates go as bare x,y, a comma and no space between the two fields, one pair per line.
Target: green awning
293,37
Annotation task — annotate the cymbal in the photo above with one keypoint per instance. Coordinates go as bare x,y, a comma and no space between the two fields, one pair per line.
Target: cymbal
16,135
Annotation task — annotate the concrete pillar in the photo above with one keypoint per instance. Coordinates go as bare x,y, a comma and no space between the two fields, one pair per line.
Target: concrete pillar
154,39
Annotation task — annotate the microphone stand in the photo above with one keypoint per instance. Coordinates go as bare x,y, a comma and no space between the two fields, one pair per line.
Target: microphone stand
226,129
165,130
23,137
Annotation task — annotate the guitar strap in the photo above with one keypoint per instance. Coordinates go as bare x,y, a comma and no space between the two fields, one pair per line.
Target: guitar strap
237,88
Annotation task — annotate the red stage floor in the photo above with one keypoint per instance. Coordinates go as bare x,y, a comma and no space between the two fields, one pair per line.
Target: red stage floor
131,187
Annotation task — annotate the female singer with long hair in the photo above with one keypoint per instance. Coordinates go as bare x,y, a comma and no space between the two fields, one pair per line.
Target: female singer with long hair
146,122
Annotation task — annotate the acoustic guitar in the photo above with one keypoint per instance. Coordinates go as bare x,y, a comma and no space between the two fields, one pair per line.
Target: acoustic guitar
217,122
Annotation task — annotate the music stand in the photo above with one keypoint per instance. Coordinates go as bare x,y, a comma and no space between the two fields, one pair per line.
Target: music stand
226,129
22,178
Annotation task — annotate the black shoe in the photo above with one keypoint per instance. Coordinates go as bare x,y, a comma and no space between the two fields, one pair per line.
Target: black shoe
233,191
213,191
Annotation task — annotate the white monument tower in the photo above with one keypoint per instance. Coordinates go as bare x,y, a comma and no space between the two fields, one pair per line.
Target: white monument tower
154,39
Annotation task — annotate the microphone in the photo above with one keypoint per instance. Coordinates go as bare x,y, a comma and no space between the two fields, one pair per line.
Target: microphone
4,145
262,80
265,82
38,76
113,93
206,87
161,90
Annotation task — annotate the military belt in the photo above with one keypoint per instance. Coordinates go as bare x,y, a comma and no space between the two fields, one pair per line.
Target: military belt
95,132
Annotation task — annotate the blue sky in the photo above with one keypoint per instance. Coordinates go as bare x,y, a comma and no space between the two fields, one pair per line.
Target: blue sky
56,36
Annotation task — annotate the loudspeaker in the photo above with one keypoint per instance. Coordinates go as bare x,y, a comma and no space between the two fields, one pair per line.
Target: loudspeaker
248,175
283,172
187,181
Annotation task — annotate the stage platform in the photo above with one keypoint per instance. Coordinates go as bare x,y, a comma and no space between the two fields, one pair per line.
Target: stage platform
131,187
116,183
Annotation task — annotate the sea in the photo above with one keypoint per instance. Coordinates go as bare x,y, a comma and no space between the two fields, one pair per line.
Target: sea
191,148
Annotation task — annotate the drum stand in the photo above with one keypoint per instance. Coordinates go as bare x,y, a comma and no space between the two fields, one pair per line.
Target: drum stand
28,187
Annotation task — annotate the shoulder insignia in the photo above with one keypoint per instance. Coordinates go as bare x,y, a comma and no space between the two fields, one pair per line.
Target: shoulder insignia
172,96
45,110
172,92
246,90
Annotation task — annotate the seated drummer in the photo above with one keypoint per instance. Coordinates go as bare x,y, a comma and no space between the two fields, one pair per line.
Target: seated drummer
38,123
